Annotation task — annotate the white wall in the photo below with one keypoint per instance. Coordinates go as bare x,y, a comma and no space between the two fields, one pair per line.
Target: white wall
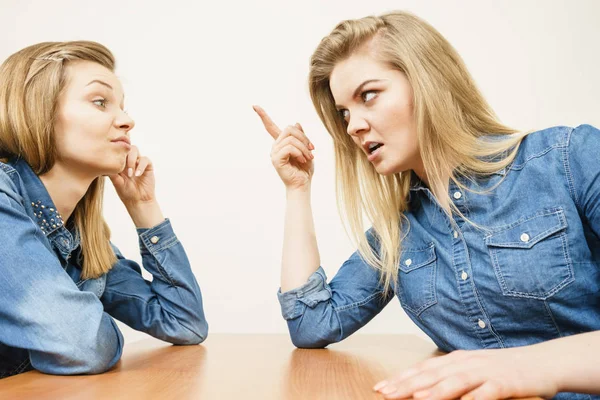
192,70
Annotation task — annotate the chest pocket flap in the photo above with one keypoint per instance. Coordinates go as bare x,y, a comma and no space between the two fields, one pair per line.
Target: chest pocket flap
525,234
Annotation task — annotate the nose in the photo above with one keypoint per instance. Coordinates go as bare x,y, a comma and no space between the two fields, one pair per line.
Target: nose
124,121
357,124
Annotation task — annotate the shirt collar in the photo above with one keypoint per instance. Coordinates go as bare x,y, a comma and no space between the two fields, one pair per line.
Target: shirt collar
416,183
45,213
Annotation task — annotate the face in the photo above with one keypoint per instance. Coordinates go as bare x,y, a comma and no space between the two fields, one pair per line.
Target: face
92,130
376,103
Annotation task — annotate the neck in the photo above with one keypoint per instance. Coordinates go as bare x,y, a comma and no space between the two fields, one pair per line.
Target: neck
439,190
66,188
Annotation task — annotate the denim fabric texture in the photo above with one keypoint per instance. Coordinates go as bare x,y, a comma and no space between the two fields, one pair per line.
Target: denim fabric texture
529,273
54,321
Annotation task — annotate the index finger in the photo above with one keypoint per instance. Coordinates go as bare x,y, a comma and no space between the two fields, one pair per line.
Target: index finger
270,126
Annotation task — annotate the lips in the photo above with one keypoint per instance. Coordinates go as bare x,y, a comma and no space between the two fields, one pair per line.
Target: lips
374,146
123,139
372,149
375,152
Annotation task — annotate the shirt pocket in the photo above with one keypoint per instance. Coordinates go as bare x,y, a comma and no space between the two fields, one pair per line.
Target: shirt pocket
531,256
416,280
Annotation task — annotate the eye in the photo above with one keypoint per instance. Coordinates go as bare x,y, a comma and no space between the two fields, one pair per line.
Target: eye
344,114
100,102
368,95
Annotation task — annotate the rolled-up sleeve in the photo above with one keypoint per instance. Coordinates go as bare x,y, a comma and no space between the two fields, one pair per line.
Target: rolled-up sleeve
320,313
310,294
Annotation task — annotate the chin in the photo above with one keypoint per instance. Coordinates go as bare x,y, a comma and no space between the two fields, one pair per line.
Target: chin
113,169
386,170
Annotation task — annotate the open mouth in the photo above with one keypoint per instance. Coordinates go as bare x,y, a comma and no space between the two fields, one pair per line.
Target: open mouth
374,146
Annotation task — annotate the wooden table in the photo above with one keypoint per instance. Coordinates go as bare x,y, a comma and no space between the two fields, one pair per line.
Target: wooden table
229,366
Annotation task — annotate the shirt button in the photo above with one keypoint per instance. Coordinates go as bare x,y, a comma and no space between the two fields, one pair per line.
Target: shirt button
457,195
154,239
481,324
524,237
464,276
408,262
455,234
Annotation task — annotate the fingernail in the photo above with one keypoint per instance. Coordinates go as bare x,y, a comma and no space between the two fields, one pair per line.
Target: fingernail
311,146
138,173
388,389
380,385
130,172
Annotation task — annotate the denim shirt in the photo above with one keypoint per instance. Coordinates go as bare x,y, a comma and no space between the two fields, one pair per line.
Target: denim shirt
529,273
54,321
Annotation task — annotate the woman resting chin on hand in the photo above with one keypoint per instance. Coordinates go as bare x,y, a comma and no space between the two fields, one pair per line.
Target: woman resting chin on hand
62,130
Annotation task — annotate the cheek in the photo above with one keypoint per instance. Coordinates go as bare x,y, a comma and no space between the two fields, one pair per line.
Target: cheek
394,120
82,138
399,111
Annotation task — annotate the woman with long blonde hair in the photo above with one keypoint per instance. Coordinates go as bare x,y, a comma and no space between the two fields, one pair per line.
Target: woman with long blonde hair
62,130
488,236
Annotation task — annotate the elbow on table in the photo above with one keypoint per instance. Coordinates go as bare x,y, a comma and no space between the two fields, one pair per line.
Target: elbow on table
310,334
75,361
99,364
196,335
310,340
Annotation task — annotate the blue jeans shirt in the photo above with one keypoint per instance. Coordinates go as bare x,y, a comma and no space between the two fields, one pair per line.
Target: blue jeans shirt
532,274
56,322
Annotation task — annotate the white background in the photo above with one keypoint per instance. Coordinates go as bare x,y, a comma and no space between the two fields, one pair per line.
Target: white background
192,70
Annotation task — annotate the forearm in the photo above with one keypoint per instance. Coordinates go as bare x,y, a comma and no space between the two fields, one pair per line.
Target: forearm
145,214
300,252
574,361
170,307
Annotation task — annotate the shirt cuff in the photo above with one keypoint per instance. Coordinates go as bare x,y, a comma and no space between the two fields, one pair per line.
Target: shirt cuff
315,290
157,238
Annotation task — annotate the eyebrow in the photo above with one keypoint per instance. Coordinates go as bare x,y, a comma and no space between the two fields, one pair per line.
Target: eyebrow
105,84
100,82
359,88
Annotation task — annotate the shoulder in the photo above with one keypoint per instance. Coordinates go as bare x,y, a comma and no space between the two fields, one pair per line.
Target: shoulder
539,143
544,140
9,179
584,137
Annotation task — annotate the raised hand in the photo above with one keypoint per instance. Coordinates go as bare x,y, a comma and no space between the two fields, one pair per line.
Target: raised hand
291,153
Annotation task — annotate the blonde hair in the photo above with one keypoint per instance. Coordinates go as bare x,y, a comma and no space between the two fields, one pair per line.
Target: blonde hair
451,119
31,82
